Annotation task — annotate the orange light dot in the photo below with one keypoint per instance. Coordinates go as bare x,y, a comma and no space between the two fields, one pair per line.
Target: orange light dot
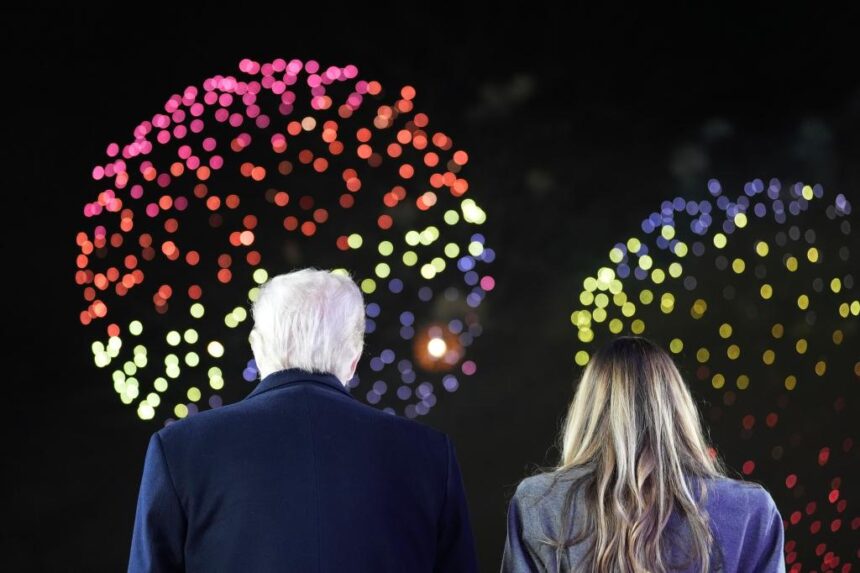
224,275
258,173
308,228
406,171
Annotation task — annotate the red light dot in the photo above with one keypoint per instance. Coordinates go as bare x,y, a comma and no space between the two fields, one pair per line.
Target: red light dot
224,275
790,481
346,201
748,467
195,292
406,171
385,221
309,228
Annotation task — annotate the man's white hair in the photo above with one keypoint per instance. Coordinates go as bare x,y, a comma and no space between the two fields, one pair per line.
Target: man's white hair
310,319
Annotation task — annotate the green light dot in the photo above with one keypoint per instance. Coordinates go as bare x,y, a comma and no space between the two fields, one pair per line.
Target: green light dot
180,410
410,258
197,310
616,255
190,336
260,276
438,264
676,345
240,313
135,327
145,411
153,399
194,394
253,294
160,384
581,358
452,217
452,250
230,321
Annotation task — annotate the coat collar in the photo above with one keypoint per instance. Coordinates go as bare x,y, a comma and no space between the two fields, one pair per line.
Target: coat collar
292,376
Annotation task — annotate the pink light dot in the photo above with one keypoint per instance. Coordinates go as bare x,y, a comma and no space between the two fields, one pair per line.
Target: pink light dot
267,70
197,125
181,203
361,87
163,180
197,109
136,191
312,66
279,65
350,71
221,115
488,283
185,151
193,162
163,137
244,139
225,100
109,170
253,111
314,80
278,87
249,98
216,162
209,143
210,98
262,121
295,66
112,149
180,131
98,172
152,210
469,367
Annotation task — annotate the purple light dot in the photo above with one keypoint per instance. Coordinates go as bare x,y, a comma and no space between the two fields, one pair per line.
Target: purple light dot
407,318
380,387
714,187
376,364
404,392
425,294
372,310
387,356
215,401
450,383
407,332
369,325
469,367
395,286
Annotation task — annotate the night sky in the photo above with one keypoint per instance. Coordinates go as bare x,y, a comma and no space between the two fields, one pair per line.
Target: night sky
578,125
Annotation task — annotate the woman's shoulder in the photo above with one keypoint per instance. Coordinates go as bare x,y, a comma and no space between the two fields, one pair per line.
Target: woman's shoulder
548,484
747,493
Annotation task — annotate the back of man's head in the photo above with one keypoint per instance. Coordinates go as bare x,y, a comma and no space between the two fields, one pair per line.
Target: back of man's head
310,319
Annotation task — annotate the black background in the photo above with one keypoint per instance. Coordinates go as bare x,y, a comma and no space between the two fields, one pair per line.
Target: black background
573,119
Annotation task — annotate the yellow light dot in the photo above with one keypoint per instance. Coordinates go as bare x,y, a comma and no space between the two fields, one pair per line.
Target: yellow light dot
633,245
791,263
197,310
725,330
410,258
385,248
646,296
699,308
368,286
733,351
382,270
742,382
599,315
675,270
803,302
645,262
216,383
807,192
812,254
615,326
790,382
667,303
452,250
820,367
720,240
718,381
836,285
160,384
676,345
192,359
741,220
145,411
800,346
668,232
438,264
428,271
215,348
681,249
702,355
586,297
766,291
738,265
180,410
777,330
601,300
837,337
637,326
173,338
761,249
135,327
354,241
260,276
451,217
585,335
194,394
616,255
658,276
581,358
768,357
590,284
628,309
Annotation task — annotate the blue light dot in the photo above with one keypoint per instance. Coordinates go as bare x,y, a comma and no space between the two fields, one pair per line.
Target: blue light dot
395,286
425,293
372,310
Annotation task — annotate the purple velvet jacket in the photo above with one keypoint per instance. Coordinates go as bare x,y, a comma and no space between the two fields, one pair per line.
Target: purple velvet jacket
747,527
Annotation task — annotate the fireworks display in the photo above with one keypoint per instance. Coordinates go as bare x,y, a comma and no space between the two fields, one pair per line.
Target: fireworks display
286,164
756,298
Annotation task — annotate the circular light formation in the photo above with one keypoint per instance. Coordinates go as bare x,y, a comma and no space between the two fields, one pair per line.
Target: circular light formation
283,165
755,296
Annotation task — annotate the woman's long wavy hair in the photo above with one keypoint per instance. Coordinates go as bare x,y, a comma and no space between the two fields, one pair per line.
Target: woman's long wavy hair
634,428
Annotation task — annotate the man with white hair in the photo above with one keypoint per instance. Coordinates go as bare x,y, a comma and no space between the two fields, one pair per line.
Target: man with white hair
299,475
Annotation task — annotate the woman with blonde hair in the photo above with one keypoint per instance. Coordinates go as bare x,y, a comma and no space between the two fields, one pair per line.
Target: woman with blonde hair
638,489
